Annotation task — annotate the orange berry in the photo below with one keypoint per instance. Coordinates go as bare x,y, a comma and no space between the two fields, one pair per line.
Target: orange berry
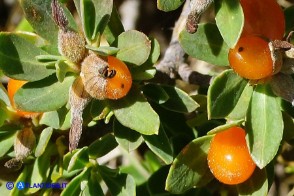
251,58
105,78
119,85
12,88
228,157
263,17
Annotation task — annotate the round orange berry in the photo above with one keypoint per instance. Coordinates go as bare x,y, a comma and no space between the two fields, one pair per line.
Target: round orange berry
263,17
12,88
121,82
105,78
251,58
228,157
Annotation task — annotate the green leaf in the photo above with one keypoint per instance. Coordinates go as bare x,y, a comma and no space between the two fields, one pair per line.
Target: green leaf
208,44
154,53
134,112
256,185
289,18
190,168
134,47
79,160
114,28
143,73
56,119
41,169
4,95
264,126
3,112
240,110
103,50
178,101
92,186
24,25
156,93
102,146
45,95
7,137
18,58
160,145
120,184
127,138
169,5
39,15
74,186
229,20
225,127
224,94
21,178
95,15
43,141
170,98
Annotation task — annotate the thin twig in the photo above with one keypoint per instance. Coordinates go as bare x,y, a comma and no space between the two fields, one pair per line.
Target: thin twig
173,62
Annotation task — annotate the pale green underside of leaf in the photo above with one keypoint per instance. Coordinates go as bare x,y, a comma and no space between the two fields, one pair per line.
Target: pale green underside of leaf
169,5
43,96
135,107
229,20
264,126
18,58
224,93
206,44
190,167
134,47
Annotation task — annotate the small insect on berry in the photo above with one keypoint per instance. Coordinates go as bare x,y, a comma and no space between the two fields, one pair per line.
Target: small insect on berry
105,78
228,157
254,58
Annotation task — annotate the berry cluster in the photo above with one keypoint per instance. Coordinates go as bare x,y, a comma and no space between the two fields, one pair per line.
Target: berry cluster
254,57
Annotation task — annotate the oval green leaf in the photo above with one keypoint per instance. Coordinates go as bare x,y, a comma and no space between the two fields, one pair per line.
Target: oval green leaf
79,160
102,146
190,167
74,186
43,141
135,112
160,145
264,126
114,28
179,101
240,110
169,5
224,93
18,58
119,184
4,95
39,15
44,95
134,47
206,44
229,20
127,138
